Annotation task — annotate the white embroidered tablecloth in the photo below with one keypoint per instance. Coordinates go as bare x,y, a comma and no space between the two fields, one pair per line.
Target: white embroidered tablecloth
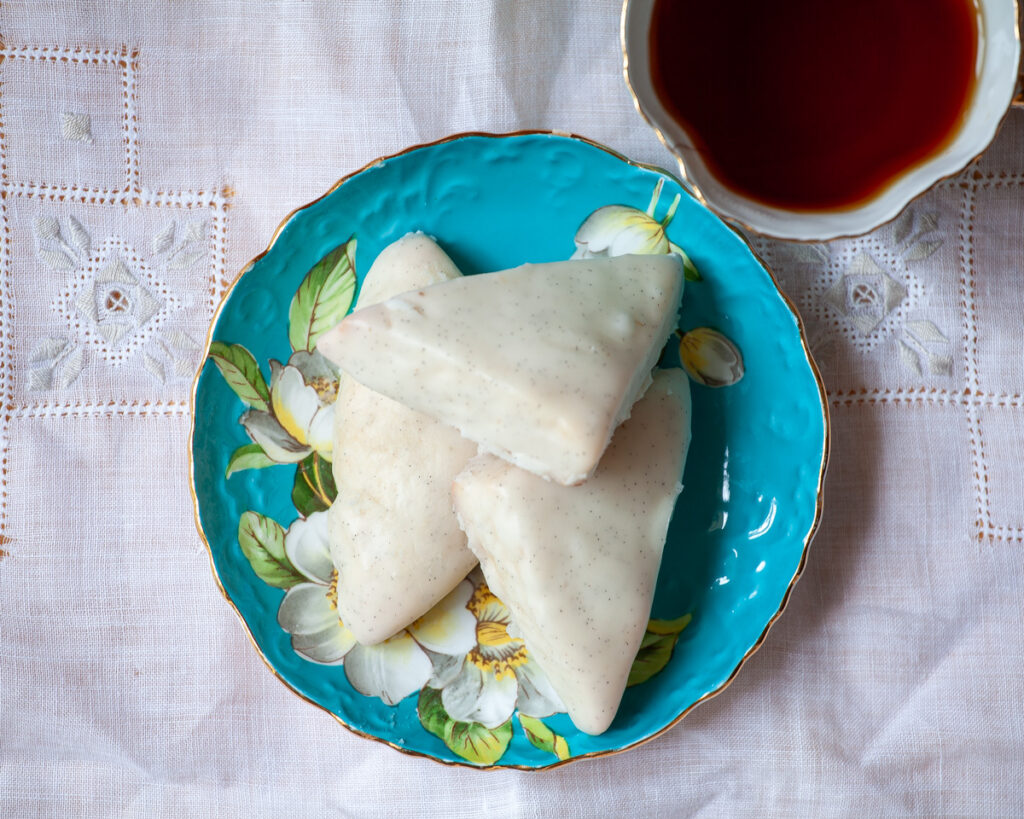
173,137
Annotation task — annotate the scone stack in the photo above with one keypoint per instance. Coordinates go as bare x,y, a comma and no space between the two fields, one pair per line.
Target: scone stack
545,370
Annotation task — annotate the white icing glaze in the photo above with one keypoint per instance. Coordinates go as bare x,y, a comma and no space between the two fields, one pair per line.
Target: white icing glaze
577,566
394,539
537,364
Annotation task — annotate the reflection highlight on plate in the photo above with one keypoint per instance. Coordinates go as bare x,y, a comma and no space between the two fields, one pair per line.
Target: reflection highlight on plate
766,525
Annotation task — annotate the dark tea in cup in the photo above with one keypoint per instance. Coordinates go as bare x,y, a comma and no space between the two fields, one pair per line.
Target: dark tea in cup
815,104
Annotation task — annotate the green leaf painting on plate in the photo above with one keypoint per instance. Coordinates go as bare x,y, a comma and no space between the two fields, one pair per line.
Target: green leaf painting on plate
323,298
313,489
690,272
242,373
477,743
656,648
247,456
262,542
542,737
431,711
470,740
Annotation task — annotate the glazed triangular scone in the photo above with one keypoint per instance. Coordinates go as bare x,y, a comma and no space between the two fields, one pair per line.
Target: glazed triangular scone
537,364
577,566
394,538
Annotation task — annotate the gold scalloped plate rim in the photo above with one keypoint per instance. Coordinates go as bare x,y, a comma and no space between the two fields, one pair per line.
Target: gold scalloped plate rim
1016,101
819,499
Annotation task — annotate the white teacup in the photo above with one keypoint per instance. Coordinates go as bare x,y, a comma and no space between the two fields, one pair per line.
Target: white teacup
999,59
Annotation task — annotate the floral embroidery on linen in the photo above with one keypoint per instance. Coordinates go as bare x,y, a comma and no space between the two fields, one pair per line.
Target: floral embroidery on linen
180,247
114,303
869,293
76,127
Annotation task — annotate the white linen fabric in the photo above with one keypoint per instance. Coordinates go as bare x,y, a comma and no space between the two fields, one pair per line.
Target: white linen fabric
178,135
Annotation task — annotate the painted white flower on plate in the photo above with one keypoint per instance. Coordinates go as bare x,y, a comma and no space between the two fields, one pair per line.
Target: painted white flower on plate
391,670
710,358
497,675
301,419
617,230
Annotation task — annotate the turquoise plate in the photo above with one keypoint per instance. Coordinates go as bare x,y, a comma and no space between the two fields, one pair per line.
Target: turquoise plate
457,687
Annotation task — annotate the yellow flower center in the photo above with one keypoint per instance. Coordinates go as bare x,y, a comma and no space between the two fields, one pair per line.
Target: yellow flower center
489,633
500,665
332,591
485,606
495,651
326,388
